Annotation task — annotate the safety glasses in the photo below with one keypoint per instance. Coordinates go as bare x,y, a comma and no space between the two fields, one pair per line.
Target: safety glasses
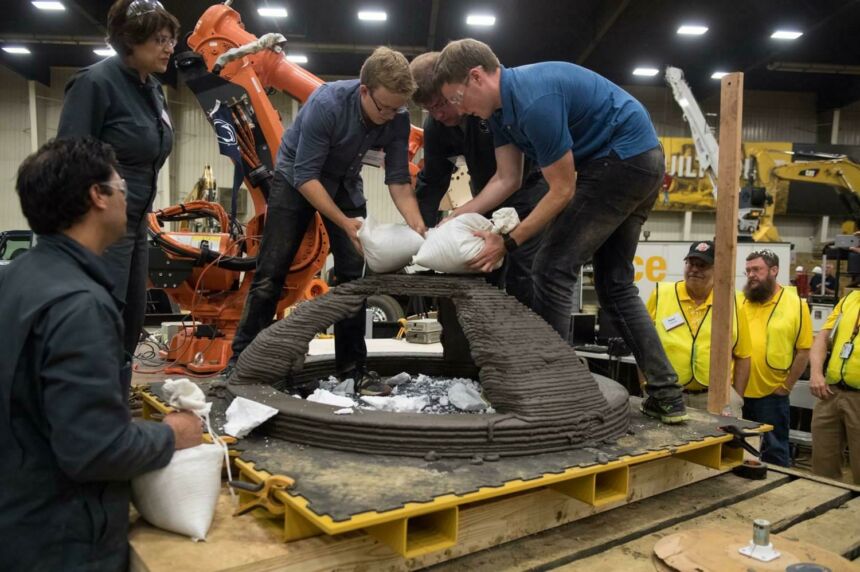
140,8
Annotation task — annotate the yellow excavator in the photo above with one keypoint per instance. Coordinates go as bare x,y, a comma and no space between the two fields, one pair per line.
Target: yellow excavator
771,185
768,181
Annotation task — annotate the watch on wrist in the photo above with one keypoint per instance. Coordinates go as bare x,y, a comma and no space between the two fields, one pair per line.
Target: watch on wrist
510,244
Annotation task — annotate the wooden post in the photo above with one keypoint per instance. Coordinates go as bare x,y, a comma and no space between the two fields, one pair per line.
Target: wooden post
726,240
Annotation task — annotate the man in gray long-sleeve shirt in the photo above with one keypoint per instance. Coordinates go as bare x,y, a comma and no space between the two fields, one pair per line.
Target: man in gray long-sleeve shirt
343,125
69,444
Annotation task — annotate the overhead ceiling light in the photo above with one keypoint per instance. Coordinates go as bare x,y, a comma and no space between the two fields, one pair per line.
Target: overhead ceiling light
373,16
481,20
786,35
691,30
272,12
719,75
648,72
55,6
16,50
297,58
104,52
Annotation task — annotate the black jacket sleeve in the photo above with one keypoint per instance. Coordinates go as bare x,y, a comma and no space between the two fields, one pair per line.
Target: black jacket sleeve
91,431
435,176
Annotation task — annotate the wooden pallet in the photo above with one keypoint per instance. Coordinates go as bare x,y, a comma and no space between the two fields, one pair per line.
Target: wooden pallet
540,530
808,509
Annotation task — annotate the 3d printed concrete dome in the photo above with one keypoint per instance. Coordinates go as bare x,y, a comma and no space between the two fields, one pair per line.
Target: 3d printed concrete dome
546,399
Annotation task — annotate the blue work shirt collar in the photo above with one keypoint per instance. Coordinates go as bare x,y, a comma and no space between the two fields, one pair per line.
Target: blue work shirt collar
506,115
362,116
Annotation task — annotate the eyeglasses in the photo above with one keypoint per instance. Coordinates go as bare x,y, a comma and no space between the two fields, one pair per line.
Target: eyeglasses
163,41
140,8
458,97
385,109
122,186
437,106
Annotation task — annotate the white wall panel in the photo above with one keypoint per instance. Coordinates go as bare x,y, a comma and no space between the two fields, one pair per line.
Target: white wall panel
14,145
849,125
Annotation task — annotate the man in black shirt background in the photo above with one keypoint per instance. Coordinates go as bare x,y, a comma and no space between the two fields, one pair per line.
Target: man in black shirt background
448,135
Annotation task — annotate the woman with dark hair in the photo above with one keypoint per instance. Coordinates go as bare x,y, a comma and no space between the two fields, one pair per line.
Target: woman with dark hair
120,102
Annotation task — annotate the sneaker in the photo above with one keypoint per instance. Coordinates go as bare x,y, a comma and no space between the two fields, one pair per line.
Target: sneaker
669,412
369,383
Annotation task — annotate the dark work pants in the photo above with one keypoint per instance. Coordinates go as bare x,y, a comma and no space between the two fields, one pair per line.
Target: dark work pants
515,275
128,263
287,219
602,224
774,410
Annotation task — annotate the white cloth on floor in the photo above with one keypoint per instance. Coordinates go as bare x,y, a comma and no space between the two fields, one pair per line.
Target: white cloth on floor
244,415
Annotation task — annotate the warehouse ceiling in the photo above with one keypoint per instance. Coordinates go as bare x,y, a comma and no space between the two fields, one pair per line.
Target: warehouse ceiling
610,36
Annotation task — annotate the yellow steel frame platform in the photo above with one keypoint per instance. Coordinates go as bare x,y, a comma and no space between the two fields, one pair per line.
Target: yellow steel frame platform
420,528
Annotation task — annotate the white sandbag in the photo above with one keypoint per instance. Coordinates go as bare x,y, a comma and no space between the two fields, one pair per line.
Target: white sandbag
181,497
450,247
388,247
505,220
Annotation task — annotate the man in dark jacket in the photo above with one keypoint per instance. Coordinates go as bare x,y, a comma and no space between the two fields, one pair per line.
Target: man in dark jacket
69,444
449,134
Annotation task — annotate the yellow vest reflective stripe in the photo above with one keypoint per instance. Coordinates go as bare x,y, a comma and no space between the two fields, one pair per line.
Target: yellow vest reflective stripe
689,354
847,370
783,329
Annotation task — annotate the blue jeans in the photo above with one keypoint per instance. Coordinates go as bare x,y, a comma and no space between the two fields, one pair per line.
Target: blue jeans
601,224
287,218
774,410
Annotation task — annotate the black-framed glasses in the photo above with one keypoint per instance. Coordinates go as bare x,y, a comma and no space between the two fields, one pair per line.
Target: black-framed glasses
385,109
140,8
122,186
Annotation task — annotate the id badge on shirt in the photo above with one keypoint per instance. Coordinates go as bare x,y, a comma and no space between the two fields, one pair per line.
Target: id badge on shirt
847,348
673,321
166,118
374,158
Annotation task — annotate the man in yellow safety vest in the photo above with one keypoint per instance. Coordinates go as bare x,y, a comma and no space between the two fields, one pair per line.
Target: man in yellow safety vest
781,337
682,315
836,417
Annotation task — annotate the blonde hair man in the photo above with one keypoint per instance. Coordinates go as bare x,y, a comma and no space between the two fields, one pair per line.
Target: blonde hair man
342,125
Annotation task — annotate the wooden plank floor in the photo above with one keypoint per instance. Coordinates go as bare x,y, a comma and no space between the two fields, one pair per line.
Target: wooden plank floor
823,513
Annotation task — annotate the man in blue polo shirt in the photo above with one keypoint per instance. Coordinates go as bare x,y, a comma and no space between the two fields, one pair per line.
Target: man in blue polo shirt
342,125
597,149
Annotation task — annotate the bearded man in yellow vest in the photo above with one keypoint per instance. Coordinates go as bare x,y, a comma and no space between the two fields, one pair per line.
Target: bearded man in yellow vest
836,417
682,315
781,331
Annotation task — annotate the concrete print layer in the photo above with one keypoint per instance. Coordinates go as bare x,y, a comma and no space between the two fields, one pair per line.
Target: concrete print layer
546,399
